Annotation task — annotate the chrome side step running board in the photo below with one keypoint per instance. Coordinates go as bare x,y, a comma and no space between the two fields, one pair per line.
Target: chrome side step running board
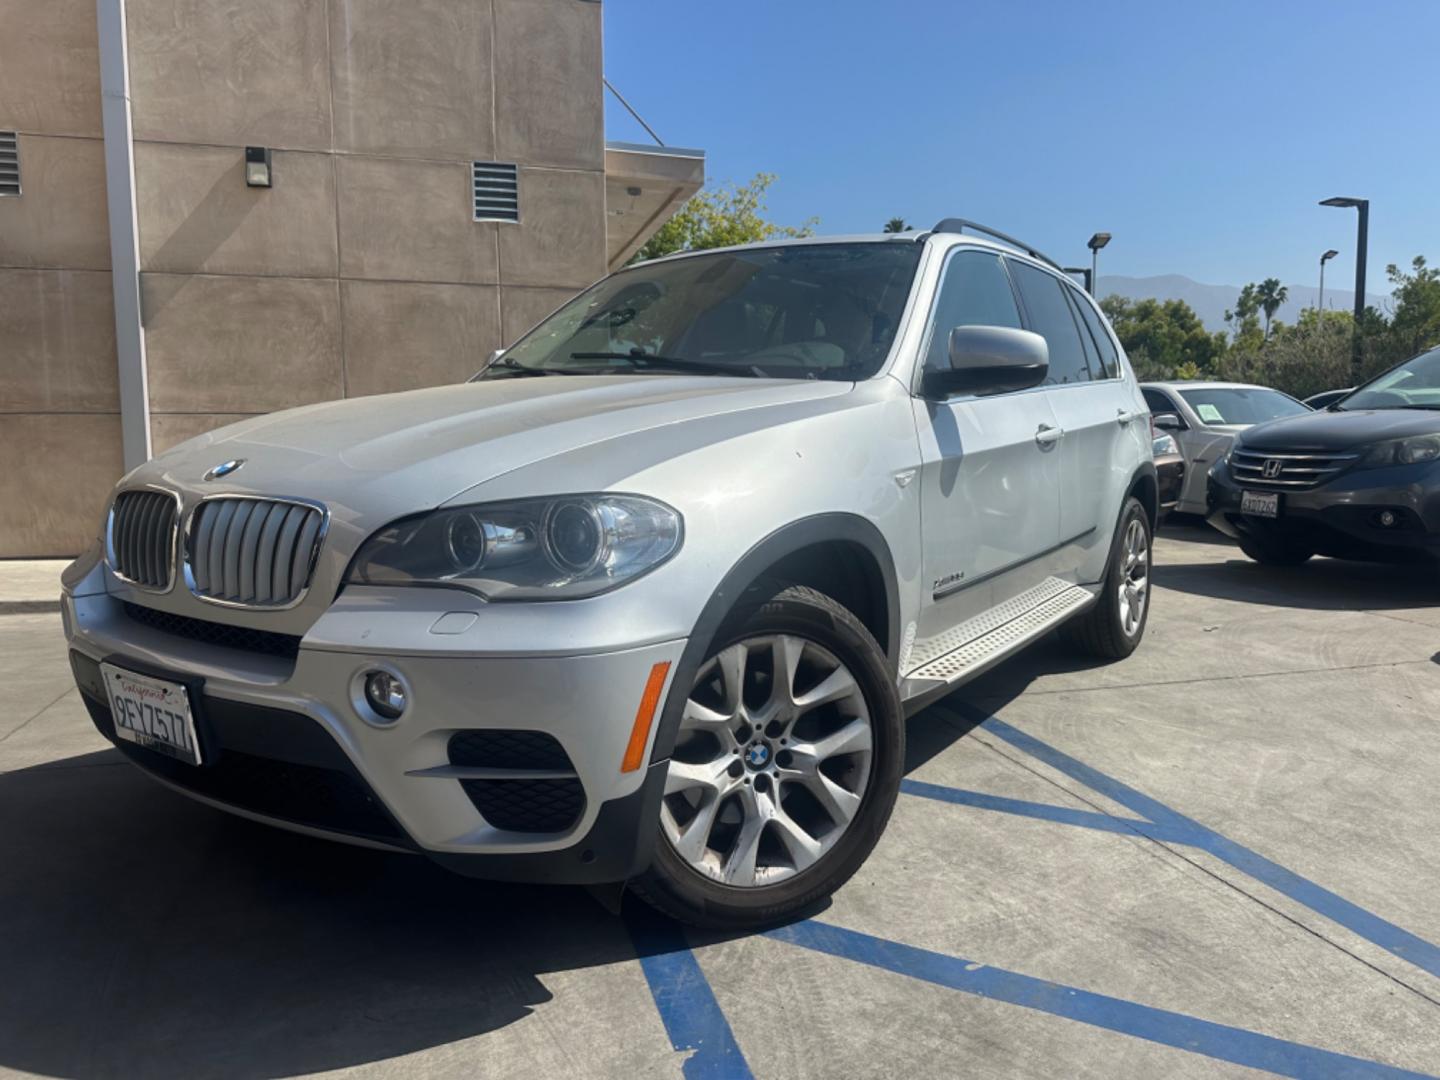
977,644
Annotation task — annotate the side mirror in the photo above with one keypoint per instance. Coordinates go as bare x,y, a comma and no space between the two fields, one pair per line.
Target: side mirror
1168,421
990,360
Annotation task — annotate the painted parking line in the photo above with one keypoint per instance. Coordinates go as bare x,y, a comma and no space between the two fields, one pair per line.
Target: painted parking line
1165,821
692,1017
1219,1041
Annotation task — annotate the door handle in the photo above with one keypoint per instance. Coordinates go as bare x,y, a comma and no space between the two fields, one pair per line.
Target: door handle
1123,418
1047,436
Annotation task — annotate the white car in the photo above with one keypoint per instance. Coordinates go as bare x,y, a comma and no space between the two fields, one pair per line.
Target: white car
649,599
1204,418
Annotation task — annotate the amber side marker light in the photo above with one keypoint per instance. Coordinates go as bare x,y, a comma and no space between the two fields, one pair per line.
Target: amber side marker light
644,718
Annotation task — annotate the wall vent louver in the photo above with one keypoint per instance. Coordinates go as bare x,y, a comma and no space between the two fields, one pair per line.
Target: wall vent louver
496,188
9,163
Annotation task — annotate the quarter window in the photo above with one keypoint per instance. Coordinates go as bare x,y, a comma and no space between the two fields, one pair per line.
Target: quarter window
1050,317
975,292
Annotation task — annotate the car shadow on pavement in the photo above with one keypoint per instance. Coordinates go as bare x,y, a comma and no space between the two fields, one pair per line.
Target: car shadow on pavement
1317,585
145,935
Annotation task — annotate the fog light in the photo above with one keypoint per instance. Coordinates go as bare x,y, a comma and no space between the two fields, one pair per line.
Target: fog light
385,694
1387,519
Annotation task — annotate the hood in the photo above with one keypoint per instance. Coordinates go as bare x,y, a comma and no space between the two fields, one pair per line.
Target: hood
396,453
1340,430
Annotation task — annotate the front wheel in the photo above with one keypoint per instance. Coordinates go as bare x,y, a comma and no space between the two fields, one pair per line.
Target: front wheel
1113,626
785,768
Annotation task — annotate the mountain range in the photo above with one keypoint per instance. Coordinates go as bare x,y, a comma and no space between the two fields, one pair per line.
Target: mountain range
1211,302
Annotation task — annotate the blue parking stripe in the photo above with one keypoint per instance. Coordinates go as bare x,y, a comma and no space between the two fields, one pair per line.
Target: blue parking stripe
692,1017
1063,815
1393,939
1219,1041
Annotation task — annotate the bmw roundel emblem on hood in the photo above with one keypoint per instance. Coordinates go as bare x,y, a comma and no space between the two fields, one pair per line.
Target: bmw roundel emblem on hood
225,468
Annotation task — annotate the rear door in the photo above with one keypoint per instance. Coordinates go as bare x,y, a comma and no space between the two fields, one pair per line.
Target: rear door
990,471
1093,407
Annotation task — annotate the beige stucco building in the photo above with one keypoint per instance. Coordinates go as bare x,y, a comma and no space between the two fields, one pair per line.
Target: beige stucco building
148,294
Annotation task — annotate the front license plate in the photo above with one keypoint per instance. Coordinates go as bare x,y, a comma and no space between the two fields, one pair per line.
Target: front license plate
152,712
1260,503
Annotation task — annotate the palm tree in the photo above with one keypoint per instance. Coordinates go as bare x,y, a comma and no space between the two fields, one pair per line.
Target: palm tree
1272,296
896,224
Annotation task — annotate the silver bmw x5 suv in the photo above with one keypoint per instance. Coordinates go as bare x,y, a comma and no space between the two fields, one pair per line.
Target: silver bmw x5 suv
648,599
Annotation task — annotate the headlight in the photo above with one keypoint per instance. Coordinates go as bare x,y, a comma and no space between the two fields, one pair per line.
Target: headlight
1411,451
531,549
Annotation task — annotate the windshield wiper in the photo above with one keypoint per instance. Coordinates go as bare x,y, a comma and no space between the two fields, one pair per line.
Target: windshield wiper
518,368
640,358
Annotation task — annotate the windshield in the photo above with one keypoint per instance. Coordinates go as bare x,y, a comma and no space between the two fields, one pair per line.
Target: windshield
1241,405
808,311
1415,384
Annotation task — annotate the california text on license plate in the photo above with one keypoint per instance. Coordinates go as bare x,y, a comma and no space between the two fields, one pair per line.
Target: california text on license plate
1260,503
152,713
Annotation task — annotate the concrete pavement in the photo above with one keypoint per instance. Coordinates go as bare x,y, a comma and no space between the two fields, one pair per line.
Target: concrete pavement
1216,858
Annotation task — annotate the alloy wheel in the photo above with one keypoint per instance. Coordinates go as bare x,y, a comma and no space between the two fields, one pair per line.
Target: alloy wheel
1134,588
771,761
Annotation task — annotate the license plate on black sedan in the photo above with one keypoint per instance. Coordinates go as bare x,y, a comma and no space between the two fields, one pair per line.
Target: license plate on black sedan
152,713
1260,503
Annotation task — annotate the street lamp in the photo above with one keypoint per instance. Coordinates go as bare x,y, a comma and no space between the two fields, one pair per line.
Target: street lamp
1320,300
1361,245
1098,241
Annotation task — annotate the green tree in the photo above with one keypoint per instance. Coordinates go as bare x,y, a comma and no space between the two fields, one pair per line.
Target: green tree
1415,326
1244,318
1271,296
896,224
1163,337
719,217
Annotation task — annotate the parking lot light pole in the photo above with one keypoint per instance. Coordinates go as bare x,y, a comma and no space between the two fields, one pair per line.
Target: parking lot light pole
1362,234
1320,300
1098,241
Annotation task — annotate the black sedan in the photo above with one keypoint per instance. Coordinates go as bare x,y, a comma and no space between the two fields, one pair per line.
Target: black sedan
1358,481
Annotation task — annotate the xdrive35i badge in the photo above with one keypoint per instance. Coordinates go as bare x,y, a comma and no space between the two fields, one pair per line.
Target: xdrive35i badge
225,468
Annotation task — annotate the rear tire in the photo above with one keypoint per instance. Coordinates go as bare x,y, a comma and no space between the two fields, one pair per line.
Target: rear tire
1112,627
1274,552
785,769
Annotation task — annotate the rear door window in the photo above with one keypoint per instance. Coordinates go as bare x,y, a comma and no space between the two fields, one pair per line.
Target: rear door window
1049,315
1104,343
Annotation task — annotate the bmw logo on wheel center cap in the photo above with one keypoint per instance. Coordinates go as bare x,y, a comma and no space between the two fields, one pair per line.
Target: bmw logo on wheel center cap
225,468
758,756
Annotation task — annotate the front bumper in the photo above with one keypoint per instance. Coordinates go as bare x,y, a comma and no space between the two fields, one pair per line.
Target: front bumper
1342,518
286,741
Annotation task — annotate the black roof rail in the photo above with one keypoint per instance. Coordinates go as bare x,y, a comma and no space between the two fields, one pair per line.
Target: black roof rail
958,225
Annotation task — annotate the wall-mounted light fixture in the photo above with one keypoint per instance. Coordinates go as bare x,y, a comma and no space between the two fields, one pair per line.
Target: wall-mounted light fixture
257,166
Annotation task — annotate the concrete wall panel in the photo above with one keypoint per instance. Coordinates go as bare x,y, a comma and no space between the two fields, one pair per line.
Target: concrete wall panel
59,332
403,336
197,215
550,104
520,309
405,220
171,429
561,237
58,473
412,78
60,219
50,78
233,72
240,344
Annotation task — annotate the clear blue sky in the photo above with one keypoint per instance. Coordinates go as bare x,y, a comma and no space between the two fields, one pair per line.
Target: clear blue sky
1200,133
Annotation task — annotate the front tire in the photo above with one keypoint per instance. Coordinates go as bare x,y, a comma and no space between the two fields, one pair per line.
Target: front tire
1112,627
785,768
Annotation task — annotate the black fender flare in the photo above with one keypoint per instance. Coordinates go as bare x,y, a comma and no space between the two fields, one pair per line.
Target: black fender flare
751,567
1143,472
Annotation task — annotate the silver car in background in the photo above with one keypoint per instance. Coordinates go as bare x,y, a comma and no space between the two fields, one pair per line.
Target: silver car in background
1204,418
649,599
